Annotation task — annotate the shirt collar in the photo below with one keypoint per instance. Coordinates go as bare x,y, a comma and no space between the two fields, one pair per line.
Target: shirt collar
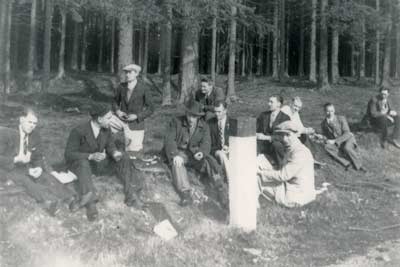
95,128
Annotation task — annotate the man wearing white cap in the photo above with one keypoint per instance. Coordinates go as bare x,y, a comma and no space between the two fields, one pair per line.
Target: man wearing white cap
132,105
293,184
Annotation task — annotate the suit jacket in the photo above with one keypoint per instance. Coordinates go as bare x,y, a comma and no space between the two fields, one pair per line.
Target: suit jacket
263,122
177,138
140,103
217,94
81,143
9,148
214,134
374,108
339,131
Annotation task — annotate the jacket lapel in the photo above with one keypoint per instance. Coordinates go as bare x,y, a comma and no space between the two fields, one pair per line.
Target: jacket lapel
89,137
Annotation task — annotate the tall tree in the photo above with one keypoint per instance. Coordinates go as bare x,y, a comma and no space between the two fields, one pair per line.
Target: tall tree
323,82
260,55
7,44
231,95
112,48
214,42
75,46
243,66
166,54
377,48
361,74
275,42
125,41
301,41
282,40
47,45
63,27
100,58
335,55
85,26
32,44
3,22
146,48
386,60
313,37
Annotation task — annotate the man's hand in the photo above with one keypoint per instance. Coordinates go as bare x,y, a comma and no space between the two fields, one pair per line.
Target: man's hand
198,156
263,137
178,161
225,149
390,118
35,172
122,115
97,156
117,155
309,130
24,158
330,141
393,113
131,117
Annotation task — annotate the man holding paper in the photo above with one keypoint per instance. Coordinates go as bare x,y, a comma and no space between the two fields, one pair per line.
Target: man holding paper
91,149
22,161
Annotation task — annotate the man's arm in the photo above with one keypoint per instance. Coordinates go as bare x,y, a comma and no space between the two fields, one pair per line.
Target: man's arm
372,106
37,157
72,152
117,99
110,146
288,171
148,106
205,145
346,133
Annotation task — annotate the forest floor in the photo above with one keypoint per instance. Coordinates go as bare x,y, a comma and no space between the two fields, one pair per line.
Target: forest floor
346,222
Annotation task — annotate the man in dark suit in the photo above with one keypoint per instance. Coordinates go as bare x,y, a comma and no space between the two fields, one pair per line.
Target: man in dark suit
340,139
22,161
187,143
266,123
91,149
208,95
381,116
219,132
132,105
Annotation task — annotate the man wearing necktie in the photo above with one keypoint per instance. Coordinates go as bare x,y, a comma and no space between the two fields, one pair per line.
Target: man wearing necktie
22,161
187,144
340,140
266,124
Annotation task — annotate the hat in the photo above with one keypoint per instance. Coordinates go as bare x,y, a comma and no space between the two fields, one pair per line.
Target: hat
132,67
286,127
99,110
194,108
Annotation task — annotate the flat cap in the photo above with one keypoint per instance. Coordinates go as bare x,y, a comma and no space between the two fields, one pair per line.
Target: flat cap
132,67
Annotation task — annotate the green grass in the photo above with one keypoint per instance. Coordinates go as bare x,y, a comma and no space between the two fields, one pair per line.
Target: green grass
315,235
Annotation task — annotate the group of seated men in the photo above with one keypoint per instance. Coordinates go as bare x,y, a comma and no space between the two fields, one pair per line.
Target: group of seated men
199,139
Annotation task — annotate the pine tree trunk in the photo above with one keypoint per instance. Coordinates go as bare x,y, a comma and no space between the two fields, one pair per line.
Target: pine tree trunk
84,40
7,44
282,41
189,63
313,37
323,82
61,54
361,74
112,52
141,46
269,46
166,55
275,44
231,95
32,44
125,42
146,48
386,60
243,61
15,40
214,45
3,22
335,56
101,43
251,57
160,50
397,75
260,54
47,45
377,49
75,46
287,37
300,72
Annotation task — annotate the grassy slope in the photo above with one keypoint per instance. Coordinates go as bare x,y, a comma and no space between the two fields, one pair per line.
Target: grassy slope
311,236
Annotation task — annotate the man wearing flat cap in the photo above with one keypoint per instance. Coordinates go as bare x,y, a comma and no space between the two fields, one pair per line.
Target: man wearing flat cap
293,184
91,150
187,144
132,105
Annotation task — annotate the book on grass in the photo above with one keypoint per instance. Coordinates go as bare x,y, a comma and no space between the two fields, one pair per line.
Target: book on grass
64,177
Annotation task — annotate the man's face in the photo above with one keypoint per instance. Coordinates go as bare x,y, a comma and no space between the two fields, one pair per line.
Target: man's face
273,104
330,111
131,75
296,107
384,94
206,88
104,121
220,112
28,123
192,120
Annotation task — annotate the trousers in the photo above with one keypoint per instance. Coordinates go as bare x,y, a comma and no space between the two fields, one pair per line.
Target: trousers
349,149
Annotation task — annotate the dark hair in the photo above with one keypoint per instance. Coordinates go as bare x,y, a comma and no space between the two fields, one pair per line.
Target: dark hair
28,110
98,110
220,103
278,97
328,104
206,80
383,88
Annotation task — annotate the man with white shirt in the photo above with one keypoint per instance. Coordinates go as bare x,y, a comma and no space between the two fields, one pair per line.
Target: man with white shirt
22,161
266,124
293,112
91,149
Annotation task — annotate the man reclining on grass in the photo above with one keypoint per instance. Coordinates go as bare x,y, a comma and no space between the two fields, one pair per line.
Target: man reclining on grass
91,149
293,184
22,161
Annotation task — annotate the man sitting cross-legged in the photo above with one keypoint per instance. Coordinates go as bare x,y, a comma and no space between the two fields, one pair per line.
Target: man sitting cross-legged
91,149
340,139
293,184
22,161
187,144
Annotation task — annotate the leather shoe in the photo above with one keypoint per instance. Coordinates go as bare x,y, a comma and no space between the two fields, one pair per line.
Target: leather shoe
186,199
52,207
396,143
91,212
74,205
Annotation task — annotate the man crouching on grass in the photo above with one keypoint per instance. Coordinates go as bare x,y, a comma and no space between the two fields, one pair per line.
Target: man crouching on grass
293,184
91,149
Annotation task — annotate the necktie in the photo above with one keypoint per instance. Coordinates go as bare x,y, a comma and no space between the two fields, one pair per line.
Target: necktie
192,129
25,144
221,134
